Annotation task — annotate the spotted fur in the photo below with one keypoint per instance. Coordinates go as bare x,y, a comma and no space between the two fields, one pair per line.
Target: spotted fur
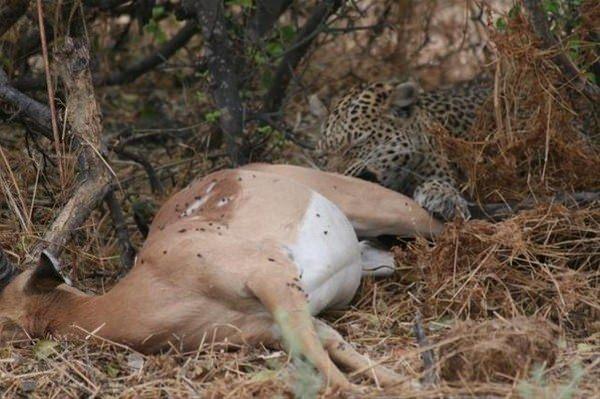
382,132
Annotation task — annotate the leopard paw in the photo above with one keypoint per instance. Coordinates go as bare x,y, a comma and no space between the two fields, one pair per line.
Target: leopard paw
442,200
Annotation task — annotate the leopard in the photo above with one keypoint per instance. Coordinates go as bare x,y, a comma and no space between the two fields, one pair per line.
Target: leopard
382,132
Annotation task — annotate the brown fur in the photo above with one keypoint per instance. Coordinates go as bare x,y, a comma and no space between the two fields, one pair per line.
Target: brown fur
219,273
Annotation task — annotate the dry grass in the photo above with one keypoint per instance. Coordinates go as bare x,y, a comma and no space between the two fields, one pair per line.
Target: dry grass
543,262
530,138
510,309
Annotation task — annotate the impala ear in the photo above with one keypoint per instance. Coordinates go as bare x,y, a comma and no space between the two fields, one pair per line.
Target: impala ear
46,276
405,94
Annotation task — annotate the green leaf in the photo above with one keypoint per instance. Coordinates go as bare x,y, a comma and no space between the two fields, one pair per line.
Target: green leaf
287,33
591,77
201,96
551,6
259,59
154,29
44,348
274,49
241,3
514,11
157,12
264,375
266,79
212,117
501,24
112,370
264,129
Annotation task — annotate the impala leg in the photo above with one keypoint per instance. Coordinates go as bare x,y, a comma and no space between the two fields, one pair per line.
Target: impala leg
286,301
345,355
372,209
376,262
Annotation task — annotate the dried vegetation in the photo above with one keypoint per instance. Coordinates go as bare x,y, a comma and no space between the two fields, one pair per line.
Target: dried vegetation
509,308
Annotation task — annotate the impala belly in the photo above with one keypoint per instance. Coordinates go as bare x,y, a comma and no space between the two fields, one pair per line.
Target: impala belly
327,254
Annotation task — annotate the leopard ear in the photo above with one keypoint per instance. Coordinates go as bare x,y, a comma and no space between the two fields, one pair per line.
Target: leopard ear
405,94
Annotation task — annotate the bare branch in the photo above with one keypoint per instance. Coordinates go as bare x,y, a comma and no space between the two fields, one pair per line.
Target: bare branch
155,184
146,64
26,106
500,211
266,14
293,56
85,124
125,246
11,12
105,4
222,61
131,73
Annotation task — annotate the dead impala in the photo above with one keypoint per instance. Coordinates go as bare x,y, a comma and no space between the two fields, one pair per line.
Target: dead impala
241,256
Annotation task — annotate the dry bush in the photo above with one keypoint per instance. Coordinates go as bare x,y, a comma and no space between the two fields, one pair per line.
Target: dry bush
497,350
543,262
537,135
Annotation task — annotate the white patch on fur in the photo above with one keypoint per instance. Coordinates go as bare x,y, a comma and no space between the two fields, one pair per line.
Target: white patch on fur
195,205
223,201
210,187
327,255
199,202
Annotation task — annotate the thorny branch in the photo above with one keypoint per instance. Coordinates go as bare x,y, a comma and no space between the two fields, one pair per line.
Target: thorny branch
50,90
39,114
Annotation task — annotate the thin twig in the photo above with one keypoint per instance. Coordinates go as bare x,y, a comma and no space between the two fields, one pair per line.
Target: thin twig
50,90
430,377
283,128
155,184
127,249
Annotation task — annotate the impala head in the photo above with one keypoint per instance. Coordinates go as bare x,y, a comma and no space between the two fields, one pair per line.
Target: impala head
23,295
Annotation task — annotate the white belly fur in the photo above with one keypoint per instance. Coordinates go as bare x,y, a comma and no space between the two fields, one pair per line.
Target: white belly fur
327,255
